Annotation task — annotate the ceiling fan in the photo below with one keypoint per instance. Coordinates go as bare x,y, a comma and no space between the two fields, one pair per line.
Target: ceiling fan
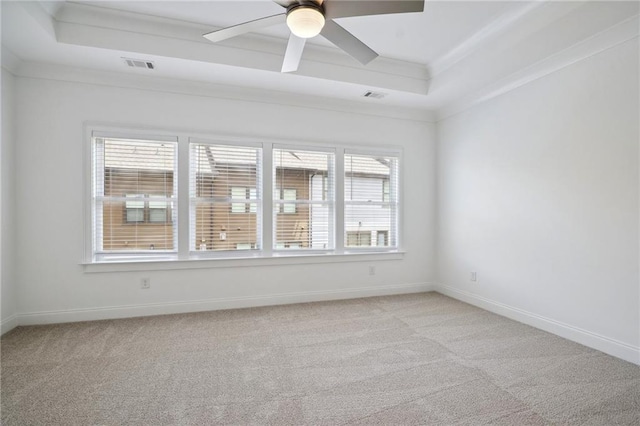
308,18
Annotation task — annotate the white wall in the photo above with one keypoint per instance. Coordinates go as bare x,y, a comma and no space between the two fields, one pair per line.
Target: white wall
538,193
8,290
50,170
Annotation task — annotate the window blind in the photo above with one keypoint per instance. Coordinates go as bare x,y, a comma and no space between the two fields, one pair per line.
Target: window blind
303,194
371,200
134,193
225,197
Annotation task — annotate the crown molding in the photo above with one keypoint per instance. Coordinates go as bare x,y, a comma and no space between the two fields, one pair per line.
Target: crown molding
613,36
41,12
489,32
62,73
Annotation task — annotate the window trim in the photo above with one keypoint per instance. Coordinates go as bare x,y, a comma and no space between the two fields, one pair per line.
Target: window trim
331,150
186,259
192,253
399,223
89,184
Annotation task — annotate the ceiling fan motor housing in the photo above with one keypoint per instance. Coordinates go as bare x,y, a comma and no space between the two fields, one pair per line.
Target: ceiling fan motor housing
306,3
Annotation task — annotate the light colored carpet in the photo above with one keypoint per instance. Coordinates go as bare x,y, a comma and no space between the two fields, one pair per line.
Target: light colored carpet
410,359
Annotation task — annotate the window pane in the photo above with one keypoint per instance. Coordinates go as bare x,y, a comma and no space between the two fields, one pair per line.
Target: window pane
138,169
382,239
289,194
158,215
220,174
306,177
158,212
371,201
358,239
385,191
238,193
135,215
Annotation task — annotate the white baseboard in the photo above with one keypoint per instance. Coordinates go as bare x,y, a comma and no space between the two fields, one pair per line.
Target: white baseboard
8,324
128,311
593,340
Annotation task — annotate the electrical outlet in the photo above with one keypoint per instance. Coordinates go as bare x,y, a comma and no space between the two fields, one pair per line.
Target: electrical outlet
372,270
145,283
474,276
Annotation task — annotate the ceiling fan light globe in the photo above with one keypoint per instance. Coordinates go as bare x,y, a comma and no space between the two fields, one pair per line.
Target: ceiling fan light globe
305,22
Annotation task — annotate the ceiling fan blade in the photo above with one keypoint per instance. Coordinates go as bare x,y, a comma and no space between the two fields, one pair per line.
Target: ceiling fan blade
246,27
345,8
293,54
348,42
283,3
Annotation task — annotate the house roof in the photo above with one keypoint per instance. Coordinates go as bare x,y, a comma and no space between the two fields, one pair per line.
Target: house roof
136,154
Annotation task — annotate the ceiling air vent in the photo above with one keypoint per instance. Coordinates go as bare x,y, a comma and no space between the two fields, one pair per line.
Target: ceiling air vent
374,95
139,63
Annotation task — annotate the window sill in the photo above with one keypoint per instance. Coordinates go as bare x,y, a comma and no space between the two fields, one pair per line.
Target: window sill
235,262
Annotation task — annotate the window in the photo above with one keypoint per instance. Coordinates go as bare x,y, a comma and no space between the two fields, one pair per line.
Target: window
245,194
385,191
358,238
134,208
289,195
137,212
244,246
382,238
325,188
158,212
225,207
371,200
303,213
133,196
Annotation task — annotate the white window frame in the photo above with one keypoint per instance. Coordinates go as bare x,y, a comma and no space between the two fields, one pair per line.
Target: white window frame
394,236
257,192
269,253
330,202
93,235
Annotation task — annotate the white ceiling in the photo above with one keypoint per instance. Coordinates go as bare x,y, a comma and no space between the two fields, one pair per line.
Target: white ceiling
427,60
